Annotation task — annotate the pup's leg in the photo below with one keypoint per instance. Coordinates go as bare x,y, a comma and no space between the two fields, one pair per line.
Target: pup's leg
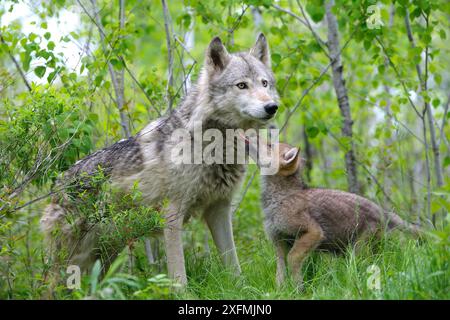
281,251
302,246
173,242
218,218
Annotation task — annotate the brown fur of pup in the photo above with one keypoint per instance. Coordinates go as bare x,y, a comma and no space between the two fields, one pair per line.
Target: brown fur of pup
299,219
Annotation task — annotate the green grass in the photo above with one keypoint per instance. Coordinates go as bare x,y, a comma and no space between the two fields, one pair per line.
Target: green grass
409,269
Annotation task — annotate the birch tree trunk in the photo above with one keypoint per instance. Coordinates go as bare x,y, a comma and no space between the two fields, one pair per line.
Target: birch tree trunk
342,96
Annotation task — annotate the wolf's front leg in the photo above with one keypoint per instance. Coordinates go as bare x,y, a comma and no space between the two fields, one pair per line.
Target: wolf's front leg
218,217
173,242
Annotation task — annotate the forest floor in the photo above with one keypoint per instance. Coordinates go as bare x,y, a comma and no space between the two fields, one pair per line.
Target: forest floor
398,268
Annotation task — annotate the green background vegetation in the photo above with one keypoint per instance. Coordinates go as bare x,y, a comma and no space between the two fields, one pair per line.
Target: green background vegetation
53,113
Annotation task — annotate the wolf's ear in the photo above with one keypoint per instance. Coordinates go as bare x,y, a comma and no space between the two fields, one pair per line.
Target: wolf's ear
217,56
261,50
291,155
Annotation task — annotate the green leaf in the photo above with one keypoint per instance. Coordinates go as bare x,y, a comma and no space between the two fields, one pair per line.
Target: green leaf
395,108
44,54
98,80
32,36
51,76
51,45
40,71
47,35
93,117
26,60
446,161
51,63
312,132
436,102
117,64
75,35
276,58
316,10
95,274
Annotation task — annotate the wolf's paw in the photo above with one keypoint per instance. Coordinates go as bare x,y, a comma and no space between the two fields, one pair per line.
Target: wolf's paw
300,287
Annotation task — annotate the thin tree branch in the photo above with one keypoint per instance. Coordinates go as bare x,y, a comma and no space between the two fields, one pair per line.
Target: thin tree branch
167,28
230,41
391,63
322,44
305,22
16,64
390,114
307,90
100,29
124,119
423,80
115,77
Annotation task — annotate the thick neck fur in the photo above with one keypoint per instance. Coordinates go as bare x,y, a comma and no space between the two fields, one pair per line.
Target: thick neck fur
280,184
196,107
276,187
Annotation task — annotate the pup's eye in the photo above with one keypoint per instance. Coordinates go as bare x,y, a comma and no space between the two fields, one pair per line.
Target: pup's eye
242,85
264,83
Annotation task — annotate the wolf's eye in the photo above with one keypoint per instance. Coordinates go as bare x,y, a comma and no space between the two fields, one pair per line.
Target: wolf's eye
264,83
242,85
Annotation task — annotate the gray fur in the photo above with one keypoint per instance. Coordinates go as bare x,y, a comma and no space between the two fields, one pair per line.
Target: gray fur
190,189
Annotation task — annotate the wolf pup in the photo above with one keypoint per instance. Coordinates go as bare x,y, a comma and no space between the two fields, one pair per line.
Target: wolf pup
233,91
299,219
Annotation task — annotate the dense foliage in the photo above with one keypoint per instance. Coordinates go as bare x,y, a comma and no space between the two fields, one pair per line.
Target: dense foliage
78,75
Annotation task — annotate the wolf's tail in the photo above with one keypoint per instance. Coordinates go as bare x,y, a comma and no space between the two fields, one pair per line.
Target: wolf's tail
395,222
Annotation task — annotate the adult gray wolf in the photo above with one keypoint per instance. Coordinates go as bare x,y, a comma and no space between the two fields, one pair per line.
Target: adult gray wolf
233,91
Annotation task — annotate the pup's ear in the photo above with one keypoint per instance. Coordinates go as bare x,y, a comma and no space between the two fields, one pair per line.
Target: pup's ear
217,56
291,155
261,50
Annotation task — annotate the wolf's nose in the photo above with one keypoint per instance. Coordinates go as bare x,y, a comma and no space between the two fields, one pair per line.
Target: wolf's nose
271,108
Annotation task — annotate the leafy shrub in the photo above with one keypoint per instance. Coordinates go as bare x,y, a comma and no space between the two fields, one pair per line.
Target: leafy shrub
41,137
